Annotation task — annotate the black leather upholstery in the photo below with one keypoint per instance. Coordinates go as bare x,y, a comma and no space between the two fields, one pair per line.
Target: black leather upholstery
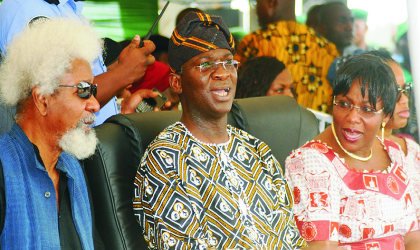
279,121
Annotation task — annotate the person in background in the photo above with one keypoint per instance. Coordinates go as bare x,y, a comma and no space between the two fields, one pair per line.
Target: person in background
161,51
360,23
352,188
312,17
402,56
110,54
264,76
338,62
306,54
336,24
44,196
133,61
157,76
151,79
161,55
399,120
203,184
184,13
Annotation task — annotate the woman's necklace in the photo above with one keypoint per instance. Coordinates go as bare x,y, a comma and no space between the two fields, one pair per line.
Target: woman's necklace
347,152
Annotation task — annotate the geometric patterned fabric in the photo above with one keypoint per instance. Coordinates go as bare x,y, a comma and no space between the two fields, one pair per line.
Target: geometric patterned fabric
306,55
194,195
358,209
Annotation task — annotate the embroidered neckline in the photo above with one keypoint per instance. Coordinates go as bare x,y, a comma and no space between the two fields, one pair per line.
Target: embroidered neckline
223,144
387,170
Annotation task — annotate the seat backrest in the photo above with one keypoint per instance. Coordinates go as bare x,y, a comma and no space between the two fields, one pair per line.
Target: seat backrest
279,121
324,120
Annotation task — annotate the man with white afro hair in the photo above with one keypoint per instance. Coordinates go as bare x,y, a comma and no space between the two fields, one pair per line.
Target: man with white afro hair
44,197
16,15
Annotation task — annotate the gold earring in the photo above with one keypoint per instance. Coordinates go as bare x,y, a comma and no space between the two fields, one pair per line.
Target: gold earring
383,131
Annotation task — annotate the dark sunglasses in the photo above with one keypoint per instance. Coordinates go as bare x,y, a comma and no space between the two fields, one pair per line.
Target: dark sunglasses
405,90
84,89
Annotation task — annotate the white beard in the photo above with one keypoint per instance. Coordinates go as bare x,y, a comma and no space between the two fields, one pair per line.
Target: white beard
78,141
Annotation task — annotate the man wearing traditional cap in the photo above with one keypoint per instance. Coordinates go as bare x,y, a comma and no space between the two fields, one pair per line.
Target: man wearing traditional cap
44,197
203,184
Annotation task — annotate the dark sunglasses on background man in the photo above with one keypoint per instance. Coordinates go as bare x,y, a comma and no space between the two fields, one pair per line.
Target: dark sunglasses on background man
84,89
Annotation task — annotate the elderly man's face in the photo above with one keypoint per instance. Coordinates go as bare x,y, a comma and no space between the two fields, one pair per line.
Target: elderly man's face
71,115
209,92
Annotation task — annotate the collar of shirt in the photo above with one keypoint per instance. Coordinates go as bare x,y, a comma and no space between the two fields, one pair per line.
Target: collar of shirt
77,6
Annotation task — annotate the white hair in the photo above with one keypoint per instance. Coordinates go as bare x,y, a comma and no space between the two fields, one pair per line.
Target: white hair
42,53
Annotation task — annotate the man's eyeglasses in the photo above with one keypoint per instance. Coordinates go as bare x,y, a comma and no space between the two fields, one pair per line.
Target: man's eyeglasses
229,65
404,90
84,89
364,111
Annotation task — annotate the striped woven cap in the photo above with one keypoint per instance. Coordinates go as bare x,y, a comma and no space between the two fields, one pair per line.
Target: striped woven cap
195,34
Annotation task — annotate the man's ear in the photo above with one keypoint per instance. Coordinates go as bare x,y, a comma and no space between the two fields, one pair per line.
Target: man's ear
40,101
321,29
175,83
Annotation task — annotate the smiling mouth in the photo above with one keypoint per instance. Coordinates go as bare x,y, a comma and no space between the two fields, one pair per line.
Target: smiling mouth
352,135
222,92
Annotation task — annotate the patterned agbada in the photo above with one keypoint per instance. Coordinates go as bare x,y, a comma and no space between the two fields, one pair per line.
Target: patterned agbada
195,195
306,54
361,210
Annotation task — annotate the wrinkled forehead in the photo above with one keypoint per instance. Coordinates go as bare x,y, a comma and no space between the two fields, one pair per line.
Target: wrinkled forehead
211,55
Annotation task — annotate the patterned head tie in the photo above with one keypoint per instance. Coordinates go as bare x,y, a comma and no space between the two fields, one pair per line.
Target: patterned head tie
195,34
